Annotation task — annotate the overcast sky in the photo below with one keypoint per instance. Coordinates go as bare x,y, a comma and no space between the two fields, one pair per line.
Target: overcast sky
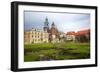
65,22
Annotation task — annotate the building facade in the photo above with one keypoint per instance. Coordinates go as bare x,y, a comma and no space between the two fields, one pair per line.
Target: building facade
83,36
79,36
70,36
36,36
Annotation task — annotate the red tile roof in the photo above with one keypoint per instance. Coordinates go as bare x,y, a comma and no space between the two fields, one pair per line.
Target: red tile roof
71,33
82,32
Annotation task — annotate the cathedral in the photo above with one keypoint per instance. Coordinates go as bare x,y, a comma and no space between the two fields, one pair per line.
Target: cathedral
53,31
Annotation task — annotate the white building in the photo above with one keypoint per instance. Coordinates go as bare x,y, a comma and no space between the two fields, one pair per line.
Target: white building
70,36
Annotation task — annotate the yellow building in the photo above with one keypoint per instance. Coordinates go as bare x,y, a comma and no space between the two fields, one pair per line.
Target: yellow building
36,36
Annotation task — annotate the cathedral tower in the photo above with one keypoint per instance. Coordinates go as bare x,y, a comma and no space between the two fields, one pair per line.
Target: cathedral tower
46,25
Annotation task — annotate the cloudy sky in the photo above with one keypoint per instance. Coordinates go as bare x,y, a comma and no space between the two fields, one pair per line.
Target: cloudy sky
65,22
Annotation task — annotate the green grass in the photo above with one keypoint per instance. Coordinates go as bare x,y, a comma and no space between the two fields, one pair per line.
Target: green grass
38,47
58,51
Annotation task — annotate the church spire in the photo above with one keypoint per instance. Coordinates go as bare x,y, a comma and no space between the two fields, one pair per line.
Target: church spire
53,25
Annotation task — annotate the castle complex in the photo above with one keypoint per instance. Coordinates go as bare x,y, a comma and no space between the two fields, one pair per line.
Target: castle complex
42,36
52,35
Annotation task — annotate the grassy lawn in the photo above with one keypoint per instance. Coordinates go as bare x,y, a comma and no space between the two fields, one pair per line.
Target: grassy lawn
58,51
